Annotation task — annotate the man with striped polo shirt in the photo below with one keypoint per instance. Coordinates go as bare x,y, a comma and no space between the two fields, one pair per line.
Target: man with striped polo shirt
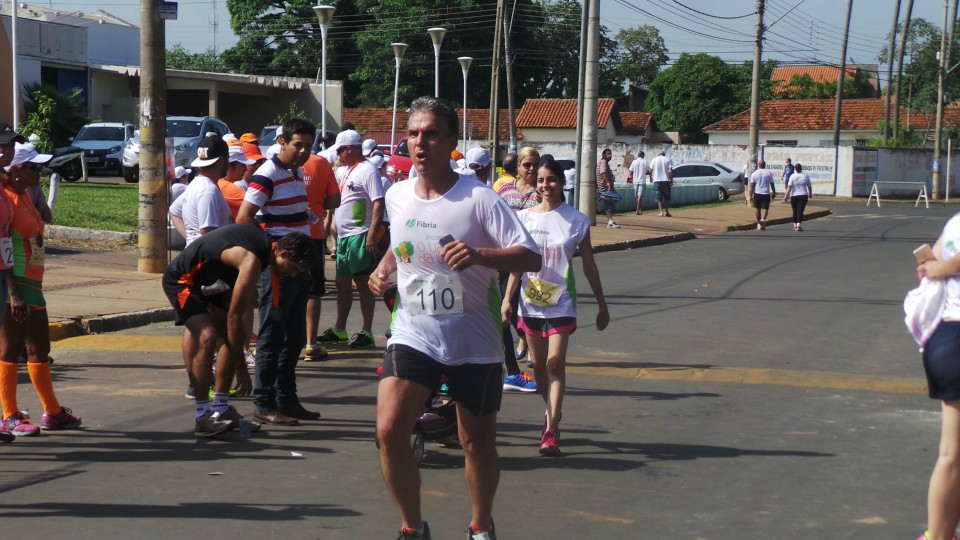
277,201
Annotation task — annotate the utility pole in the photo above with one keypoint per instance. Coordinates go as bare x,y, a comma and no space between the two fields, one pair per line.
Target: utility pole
890,48
941,75
493,127
900,53
840,76
508,60
755,91
152,237
581,82
588,155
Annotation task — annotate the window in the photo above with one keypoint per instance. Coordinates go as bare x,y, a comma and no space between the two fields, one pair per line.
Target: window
784,142
682,171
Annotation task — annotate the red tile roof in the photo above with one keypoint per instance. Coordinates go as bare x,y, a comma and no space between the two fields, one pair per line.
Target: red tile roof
815,115
635,123
376,122
819,74
560,113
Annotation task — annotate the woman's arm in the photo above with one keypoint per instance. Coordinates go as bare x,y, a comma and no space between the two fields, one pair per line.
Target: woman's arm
512,283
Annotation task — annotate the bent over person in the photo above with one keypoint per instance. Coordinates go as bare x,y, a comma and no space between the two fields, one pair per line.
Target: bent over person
457,234
211,285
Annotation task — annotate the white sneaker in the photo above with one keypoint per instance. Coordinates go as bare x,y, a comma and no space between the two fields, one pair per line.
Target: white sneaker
612,225
759,227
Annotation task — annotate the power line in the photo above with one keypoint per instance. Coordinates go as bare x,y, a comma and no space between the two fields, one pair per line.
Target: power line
713,16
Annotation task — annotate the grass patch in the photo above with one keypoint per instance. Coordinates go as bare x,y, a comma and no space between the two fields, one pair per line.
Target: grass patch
104,207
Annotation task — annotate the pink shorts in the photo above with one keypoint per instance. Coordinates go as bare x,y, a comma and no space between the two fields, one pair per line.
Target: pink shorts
547,327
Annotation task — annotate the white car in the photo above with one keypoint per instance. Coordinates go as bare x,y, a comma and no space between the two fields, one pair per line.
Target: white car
102,144
727,181
186,132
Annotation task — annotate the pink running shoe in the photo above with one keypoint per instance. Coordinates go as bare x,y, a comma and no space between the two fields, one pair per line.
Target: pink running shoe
62,420
20,425
5,435
549,443
926,536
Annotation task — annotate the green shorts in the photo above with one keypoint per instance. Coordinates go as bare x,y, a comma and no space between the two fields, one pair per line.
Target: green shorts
31,291
353,259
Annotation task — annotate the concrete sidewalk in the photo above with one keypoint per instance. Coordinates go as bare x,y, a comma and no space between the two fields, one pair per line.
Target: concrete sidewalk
101,291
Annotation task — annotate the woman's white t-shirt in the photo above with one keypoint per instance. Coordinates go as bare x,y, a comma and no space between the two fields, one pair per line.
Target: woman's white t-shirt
451,316
551,292
949,248
799,184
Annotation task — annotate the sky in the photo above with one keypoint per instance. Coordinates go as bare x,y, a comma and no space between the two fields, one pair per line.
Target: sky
800,31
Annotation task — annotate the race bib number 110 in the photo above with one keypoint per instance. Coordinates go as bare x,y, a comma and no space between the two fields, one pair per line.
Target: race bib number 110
433,294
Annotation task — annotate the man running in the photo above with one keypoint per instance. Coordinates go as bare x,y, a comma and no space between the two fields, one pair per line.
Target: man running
452,236
211,285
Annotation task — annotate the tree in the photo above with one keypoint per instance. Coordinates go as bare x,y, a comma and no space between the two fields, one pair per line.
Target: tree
53,116
180,58
643,54
700,89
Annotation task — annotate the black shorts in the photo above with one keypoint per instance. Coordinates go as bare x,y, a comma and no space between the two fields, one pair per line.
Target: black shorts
319,287
663,191
761,201
941,361
476,387
187,300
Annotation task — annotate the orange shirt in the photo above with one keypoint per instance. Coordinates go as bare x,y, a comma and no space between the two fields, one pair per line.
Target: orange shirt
26,230
321,183
233,194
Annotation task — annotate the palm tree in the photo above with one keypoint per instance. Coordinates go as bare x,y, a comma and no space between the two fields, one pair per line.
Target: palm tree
61,114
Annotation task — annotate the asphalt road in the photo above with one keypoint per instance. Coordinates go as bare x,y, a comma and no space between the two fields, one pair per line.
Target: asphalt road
752,385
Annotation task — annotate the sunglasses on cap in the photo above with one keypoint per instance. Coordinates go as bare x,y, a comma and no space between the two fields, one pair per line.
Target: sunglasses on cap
32,166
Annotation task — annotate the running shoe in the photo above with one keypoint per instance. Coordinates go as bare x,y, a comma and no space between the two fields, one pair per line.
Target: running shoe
61,420
550,443
799,227
190,394
332,335
211,424
19,424
412,534
612,225
5,435
234,416
315,352
362,340
521,382
482,535
926,536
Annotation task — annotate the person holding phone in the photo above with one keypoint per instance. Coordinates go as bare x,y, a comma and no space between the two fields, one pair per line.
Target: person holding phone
941,364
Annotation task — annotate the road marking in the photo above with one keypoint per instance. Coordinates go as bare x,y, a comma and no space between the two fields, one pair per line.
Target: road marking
712,374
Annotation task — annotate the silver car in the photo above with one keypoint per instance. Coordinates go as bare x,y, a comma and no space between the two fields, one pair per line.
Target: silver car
727,181
186,132
102,144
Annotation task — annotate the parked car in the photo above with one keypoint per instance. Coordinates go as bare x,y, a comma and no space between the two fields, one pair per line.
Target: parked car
102,144
186,132
399,162
268,138
727,181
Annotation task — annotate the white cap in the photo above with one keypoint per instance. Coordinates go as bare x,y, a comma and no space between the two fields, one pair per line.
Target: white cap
24,152
237,156
229,138
278,133
180,172
377,161
369,145
272,151
347,138
479,156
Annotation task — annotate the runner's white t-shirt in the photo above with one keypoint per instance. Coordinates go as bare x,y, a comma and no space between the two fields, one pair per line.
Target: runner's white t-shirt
761,179
360,185
451,316
799,184
949,248
201,206
551,292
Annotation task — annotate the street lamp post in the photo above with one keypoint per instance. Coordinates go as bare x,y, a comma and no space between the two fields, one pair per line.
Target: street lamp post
436,35
398,50
324,14
465,66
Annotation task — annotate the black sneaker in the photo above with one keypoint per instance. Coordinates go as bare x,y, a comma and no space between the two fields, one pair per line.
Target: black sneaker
332,335
190,394
362,340
407,534
483,535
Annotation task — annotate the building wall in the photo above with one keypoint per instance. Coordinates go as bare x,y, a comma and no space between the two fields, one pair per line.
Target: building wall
113,44
803,138
110,99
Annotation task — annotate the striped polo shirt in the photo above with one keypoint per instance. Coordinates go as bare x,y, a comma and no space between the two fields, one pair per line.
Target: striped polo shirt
282,197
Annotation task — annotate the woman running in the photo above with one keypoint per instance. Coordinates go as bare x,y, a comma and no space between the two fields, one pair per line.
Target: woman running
548,298
25,320
799,190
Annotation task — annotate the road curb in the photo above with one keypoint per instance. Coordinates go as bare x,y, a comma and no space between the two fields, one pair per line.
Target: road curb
108,323
643,242
78,233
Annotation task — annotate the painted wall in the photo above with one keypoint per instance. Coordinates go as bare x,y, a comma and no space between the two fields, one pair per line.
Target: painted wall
803,138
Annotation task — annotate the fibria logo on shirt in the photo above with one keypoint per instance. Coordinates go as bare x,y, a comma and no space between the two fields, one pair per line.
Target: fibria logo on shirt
414,222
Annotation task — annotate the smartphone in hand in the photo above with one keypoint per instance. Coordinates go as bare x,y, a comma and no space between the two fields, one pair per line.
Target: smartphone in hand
924,253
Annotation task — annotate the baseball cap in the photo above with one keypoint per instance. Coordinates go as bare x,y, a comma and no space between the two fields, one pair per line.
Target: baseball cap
249,138
347,138
231,139
180,172
273,150
252,151
378,162
236,155
479,156
210,149
277,134
456,155
9,135
369,145
24,152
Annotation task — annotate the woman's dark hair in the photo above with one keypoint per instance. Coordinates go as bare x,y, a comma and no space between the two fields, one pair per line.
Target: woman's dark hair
555,168
798,167
299,248
443,110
